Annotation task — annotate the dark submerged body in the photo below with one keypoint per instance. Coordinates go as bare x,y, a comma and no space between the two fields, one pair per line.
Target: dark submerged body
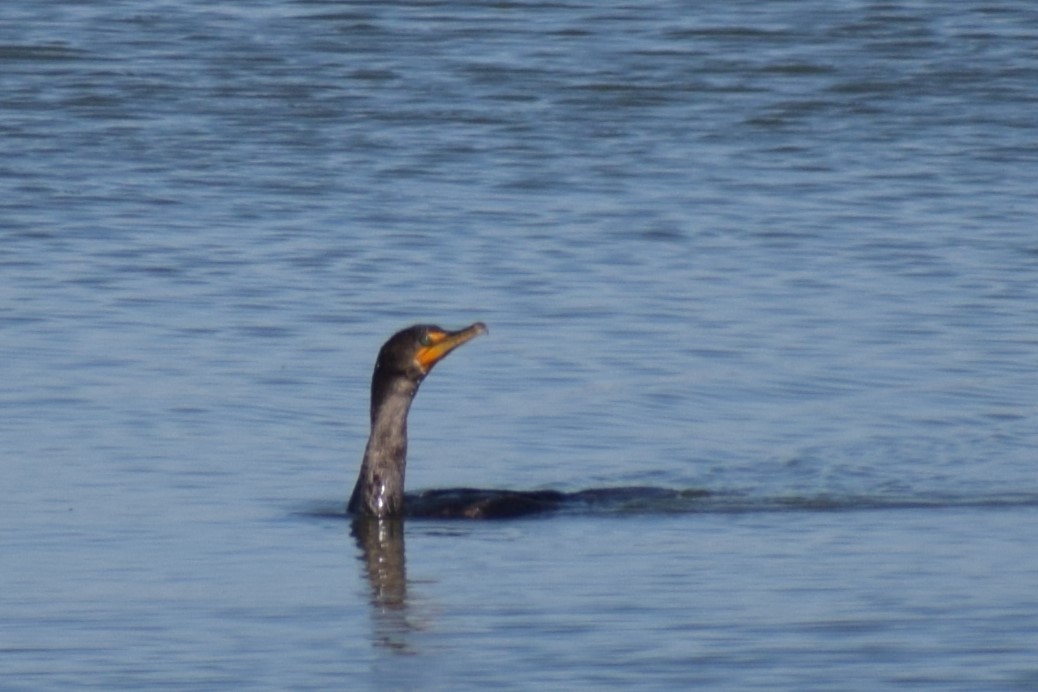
476,503
479,503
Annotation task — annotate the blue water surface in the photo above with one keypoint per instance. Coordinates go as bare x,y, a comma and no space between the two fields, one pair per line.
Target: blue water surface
782,253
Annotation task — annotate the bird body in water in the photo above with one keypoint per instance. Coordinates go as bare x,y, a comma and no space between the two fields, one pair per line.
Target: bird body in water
403,362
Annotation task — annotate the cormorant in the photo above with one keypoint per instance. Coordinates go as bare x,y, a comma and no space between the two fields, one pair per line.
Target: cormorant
402,364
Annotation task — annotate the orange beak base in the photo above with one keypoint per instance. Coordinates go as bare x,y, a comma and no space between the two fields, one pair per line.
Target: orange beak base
445,342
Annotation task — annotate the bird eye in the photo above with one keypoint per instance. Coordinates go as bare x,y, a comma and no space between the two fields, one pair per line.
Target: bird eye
426,340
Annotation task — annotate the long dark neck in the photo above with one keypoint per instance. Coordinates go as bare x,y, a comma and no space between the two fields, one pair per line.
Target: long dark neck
380,486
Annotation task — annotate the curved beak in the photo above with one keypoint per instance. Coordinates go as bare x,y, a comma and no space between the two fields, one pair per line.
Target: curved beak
445,342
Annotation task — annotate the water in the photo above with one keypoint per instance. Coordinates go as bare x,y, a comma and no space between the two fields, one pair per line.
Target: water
783,253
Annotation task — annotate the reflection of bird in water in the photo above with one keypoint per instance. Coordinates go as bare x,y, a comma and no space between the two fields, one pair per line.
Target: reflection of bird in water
381,543
403,362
